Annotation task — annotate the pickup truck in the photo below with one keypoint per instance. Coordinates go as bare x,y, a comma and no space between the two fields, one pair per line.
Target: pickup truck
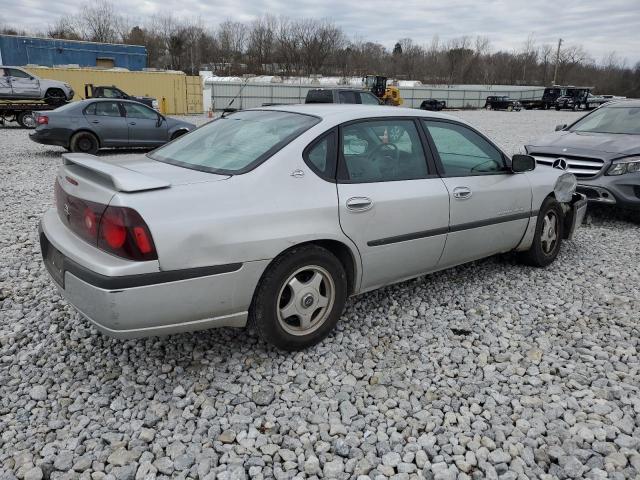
547,101
18,84
111,91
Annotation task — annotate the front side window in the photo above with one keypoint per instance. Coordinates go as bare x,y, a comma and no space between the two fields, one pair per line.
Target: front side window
381,151
134,110
462,151
14,72
236,143
103,109
624,120
369,99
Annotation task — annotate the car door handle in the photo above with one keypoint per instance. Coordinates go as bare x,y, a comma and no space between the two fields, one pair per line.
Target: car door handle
95,121
462,193
132,123
359,204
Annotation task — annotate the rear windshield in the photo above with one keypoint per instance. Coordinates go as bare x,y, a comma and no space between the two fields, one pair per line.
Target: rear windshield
319,96
625,120
236,143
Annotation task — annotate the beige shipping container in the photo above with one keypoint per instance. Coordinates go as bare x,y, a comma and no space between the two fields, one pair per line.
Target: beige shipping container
177,94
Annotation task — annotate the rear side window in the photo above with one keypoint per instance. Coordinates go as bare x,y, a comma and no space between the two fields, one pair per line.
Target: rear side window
320,156
319,96
111,93
103,109
347,97
381,151
236,143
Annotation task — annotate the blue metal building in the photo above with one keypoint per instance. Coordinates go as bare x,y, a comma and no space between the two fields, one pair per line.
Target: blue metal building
18,50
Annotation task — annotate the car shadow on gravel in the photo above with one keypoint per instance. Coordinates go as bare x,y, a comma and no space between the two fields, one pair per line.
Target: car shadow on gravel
599,215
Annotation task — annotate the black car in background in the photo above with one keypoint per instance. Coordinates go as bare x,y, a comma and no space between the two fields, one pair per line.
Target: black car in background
341,95
502,102
111,91
602,149
433,104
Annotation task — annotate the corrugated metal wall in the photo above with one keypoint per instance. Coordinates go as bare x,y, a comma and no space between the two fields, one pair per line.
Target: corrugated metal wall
18,50
175,96
194,95
252,95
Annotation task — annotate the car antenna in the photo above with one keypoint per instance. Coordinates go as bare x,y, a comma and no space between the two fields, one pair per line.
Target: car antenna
228,108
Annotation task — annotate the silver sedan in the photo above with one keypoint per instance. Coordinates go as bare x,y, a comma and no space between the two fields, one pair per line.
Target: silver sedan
275,216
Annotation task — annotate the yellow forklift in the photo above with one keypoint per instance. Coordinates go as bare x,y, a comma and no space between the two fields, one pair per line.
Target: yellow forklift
389,94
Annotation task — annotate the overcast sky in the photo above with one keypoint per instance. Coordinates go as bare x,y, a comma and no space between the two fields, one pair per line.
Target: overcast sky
600,26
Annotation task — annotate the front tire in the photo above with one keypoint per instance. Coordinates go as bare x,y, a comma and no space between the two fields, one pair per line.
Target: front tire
55,96
547,237
84,142
299,298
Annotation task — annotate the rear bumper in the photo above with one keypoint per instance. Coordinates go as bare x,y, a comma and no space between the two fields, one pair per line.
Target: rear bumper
49,137
155,303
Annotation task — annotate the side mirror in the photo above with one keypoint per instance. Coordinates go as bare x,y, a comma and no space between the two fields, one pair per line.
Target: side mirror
159,121
561,127
522,163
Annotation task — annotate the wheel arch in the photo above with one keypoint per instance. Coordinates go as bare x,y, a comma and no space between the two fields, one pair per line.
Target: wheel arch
178,132
345,255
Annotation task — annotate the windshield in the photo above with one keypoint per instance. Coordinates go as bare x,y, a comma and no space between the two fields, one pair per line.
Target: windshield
236,143
625,120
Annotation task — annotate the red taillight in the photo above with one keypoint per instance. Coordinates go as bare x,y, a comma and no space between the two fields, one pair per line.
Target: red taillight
42,120
143,240
124,233
120,231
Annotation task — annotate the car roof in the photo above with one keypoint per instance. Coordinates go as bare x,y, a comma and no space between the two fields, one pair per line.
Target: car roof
105,99
344,112
632,102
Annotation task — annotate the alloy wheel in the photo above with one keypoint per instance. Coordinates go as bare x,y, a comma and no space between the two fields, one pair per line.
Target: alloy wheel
549,235
305,300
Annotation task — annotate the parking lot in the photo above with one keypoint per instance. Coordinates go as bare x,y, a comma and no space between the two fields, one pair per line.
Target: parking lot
488,370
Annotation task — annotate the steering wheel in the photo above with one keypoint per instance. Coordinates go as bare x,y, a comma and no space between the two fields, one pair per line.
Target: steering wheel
476,168
390,153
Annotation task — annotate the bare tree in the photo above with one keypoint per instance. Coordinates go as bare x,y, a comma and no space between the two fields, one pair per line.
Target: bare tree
99,22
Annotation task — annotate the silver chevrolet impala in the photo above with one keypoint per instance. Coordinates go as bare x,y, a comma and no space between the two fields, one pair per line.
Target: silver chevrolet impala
275,216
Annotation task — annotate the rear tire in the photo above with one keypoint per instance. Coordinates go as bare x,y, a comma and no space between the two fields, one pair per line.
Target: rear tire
84,142
548,235
300,298
26,119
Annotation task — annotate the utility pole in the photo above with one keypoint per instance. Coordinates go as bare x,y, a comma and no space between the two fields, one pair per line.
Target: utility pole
555,71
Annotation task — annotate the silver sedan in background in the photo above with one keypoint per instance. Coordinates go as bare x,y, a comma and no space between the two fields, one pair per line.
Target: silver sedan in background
276,215
90,125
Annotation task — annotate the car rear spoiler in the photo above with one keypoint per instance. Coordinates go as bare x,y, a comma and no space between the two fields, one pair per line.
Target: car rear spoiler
122,179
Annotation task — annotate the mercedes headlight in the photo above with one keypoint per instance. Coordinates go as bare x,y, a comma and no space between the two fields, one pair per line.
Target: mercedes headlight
626,165
565,187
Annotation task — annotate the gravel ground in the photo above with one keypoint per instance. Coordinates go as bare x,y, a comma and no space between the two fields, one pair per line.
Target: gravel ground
490,370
